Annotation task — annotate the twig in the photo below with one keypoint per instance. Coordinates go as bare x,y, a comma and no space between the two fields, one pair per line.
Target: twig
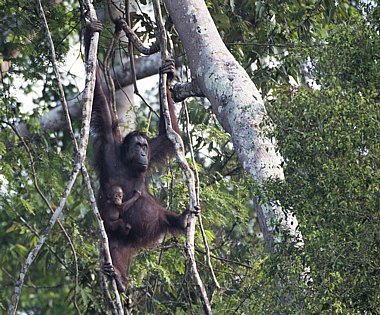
38,235
106,293
132,60
158,263
130,47
179,148
151,109
148,121
226,260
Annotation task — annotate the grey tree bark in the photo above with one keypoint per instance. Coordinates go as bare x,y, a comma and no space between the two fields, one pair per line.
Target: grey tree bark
237,104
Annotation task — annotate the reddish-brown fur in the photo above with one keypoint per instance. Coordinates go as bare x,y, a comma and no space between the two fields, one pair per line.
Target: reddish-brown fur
125,163
116,210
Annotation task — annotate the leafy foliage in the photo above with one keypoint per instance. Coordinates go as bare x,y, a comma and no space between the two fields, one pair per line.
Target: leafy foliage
327,136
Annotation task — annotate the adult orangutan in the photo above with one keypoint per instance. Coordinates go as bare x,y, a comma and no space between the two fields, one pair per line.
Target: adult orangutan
124,163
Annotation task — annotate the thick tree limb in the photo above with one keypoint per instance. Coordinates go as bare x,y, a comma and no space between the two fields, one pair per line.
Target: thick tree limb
54,119
237,104
182,91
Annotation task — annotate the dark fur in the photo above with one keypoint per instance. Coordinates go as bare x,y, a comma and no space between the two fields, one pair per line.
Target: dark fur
115,165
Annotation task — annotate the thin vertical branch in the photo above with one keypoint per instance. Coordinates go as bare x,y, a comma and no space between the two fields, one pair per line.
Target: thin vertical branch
179,148
131,46
197,189
80,158
87,109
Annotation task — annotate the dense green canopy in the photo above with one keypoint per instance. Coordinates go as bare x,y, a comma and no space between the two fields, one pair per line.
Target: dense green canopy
317,64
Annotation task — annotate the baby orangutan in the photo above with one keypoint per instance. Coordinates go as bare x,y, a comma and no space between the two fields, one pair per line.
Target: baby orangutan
115,210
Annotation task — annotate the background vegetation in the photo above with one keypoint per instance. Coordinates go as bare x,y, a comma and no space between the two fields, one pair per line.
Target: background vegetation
317,65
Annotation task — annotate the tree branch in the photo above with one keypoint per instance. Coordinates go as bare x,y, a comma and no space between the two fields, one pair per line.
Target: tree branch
53,120
87,109
237,104
33,253
12,308
208,260
137,43
182,91
179,148
80,157
107,74
39,191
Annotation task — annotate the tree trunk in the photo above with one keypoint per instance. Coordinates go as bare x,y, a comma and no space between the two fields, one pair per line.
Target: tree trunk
236,102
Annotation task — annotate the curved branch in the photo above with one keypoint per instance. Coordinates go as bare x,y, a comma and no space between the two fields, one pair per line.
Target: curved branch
137,43
179,148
